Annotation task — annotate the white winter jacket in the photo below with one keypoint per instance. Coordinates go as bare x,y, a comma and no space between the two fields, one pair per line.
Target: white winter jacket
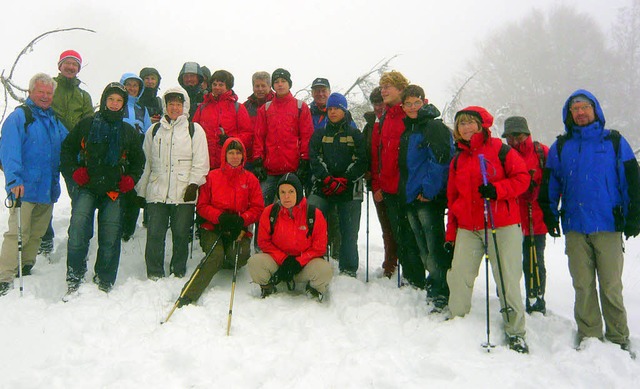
174,159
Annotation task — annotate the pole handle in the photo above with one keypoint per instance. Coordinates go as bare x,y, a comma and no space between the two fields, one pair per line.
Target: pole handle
483,168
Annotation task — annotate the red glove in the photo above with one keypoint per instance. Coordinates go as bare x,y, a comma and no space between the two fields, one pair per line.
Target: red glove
342,185
81,176
126,184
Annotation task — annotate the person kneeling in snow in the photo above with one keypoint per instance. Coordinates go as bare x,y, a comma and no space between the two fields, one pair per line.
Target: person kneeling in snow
292,247
230,201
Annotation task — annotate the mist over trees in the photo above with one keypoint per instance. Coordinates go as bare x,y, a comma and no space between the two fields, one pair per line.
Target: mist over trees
530,67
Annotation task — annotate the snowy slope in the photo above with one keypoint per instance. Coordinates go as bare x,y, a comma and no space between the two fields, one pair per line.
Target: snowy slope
365,335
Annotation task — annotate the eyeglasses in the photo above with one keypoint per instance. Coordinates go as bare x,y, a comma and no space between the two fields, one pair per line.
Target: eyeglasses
581,108
415,104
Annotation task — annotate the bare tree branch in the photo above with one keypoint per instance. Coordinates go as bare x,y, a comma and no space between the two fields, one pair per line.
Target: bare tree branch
8,83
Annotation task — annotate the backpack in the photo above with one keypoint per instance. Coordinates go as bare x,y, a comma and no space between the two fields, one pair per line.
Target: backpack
156,127
311,217
542,160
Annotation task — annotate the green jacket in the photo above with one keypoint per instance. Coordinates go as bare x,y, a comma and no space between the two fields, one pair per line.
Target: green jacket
70,103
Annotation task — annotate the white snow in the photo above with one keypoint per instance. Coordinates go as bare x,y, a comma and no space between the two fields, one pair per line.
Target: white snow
371,334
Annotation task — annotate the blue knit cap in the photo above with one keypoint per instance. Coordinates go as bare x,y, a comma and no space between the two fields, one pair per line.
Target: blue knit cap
338,100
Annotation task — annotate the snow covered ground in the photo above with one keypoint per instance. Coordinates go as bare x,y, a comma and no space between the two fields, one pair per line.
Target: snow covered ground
364,335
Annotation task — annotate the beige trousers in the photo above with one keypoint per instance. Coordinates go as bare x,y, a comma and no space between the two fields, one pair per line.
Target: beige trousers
317,272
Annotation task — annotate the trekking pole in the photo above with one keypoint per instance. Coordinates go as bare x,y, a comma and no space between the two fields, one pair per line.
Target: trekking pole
487,344
195,273
489,217
533,254
399,277
366,273
19,211
193,235
233,282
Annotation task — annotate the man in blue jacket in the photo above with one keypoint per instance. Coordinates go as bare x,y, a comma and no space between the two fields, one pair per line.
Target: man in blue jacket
30,156
595,173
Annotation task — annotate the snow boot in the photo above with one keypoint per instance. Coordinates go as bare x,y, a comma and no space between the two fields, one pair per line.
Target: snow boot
517,344
267,290
104,286
72,290
5,287
182,301
313,293
46,247
539,306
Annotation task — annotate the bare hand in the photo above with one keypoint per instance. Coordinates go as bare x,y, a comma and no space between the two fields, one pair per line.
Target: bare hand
18,191
377,196
422,199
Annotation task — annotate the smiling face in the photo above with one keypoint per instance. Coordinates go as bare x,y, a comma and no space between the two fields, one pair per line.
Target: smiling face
69,68
411,105
287,195
132,86
218,88
390,94
467,127
42,94
261,88
175,108
582,113
320,95
114,102
150,81
190,79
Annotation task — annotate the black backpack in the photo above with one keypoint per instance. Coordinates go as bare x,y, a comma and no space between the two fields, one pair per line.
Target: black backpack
311,217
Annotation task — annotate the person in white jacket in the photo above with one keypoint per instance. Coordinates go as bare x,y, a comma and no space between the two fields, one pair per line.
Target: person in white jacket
177,164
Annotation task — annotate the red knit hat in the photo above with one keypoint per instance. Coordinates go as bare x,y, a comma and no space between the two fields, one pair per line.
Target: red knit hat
70,54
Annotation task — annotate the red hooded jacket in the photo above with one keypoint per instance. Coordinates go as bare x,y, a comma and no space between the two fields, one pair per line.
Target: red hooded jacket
230,189
252,105
388,149
289,235
532,160
216,112
282,135
466,206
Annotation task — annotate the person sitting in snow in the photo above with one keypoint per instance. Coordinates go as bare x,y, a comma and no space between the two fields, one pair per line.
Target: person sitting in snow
291,252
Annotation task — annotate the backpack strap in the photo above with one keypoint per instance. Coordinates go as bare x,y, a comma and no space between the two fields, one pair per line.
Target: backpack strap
542,160
311,218
273,215
560,140
614,136
156,127
502,154
28,116
268,104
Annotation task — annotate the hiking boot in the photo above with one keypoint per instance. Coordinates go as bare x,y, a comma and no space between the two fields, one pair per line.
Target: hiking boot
313,293
538,306
389,268
266,290
46,247
349,273
440,302
517,344
5,287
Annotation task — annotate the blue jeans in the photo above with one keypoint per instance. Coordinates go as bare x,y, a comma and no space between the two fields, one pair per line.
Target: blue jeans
427,223
83,210
349,220
181,216
270,188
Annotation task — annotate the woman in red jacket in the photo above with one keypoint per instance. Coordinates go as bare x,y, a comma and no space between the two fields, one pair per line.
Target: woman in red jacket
229,201
292,247
222,116
466,194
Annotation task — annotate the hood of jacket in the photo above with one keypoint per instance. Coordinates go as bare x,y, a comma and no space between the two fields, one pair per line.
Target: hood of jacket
127,76
567,119
179,90
223,154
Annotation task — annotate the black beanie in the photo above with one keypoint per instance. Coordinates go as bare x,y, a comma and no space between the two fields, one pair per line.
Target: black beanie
281,73
294,181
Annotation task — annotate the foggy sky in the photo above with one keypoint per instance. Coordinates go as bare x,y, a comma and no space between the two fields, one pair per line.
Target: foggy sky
339,40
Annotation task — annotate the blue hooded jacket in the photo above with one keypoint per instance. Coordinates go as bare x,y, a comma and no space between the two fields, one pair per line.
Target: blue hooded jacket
31,157
588,175
136,114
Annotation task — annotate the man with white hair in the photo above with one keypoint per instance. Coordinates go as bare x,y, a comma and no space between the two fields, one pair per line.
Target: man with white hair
30,157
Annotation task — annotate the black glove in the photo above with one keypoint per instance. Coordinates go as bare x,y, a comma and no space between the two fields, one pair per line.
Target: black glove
230,223
222,138
552,224
631,230
303,170
258,170
488,191
289,268
190,193
448,247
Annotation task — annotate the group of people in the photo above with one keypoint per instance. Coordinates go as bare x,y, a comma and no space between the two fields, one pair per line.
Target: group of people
292,177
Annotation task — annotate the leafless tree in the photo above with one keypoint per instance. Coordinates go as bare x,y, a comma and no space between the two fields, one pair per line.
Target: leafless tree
13,90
